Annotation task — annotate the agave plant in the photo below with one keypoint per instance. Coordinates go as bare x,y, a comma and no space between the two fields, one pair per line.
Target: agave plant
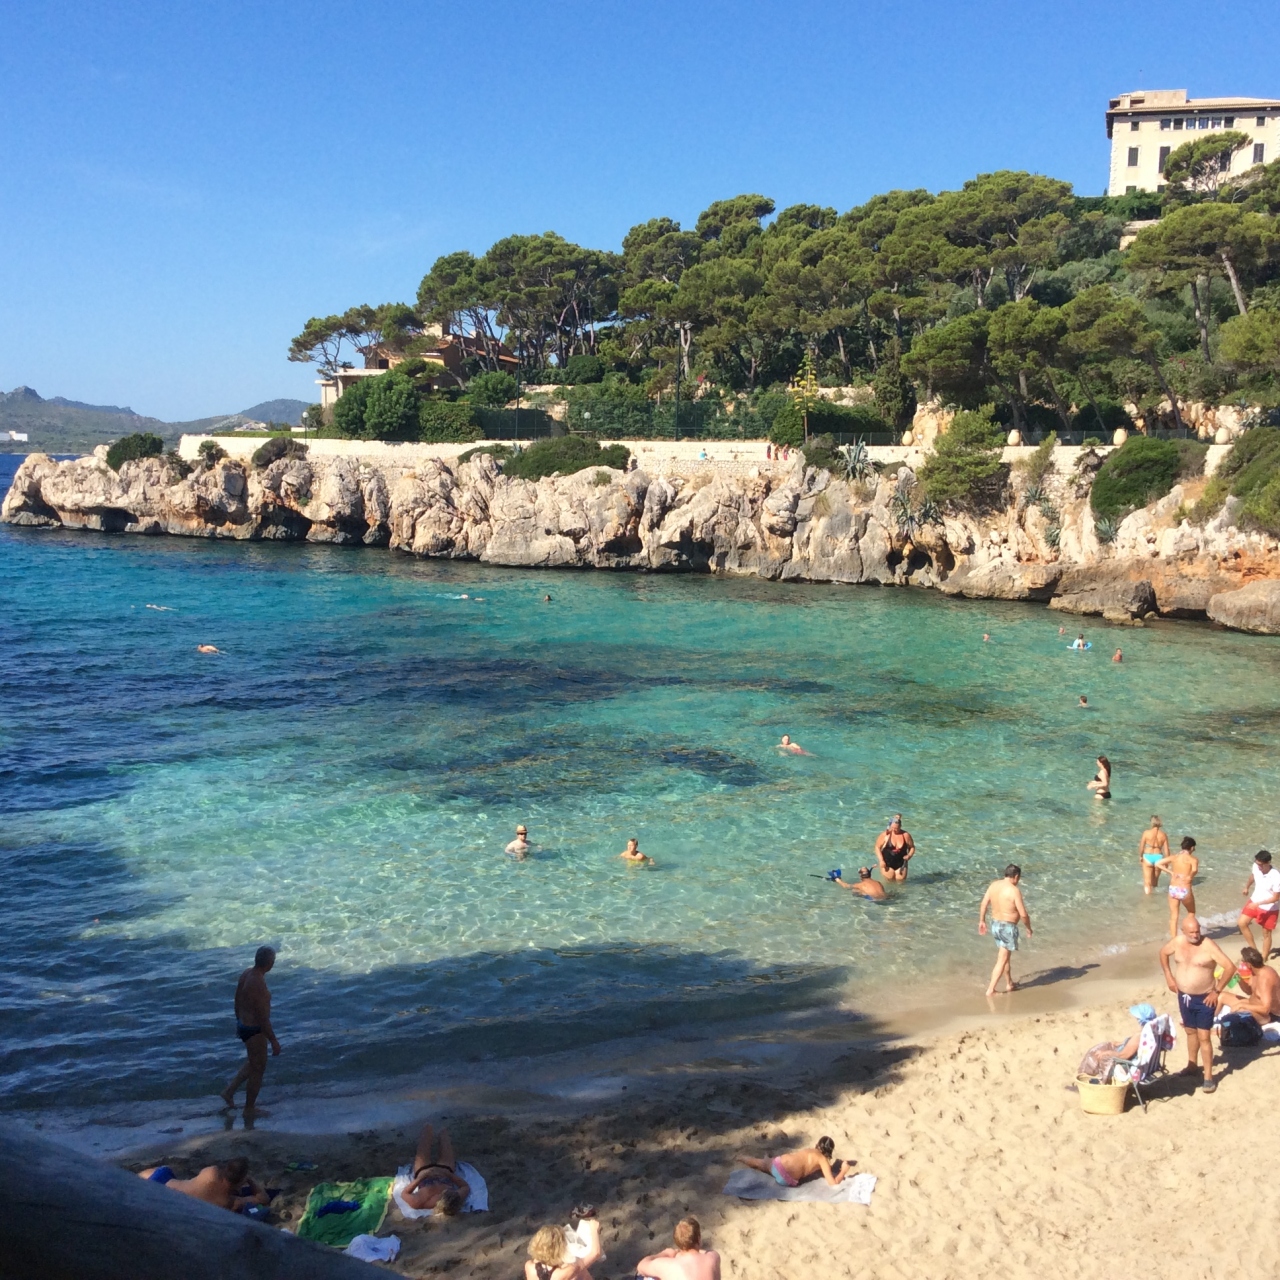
857,461
1053,536
904,514
1033,496
929,512
1106,529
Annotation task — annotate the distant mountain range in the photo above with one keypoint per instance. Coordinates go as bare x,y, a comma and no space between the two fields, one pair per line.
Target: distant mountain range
59,425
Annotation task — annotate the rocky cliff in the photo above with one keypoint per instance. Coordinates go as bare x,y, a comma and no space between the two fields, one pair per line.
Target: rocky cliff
797,523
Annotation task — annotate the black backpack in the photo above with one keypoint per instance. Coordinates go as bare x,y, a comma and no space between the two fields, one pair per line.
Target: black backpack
1239,1030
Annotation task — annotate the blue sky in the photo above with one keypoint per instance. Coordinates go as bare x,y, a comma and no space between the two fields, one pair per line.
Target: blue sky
182,185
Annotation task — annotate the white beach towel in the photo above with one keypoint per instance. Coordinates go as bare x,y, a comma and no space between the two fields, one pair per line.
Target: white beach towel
751,1184
477,1201
374,1248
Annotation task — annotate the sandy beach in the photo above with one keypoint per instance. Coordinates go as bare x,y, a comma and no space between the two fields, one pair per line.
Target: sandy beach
985,1162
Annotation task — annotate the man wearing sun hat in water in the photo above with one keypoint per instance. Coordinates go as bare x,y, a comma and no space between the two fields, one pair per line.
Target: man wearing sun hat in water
520,846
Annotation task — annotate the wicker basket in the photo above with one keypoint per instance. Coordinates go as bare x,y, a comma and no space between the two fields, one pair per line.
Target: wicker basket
1102,1099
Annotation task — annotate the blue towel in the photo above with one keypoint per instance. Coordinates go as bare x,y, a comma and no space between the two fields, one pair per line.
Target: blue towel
338,1206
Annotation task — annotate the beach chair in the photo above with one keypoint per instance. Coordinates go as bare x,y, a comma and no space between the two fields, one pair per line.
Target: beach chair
1155,1041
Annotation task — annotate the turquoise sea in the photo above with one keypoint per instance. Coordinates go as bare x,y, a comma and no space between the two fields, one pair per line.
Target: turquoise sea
342,779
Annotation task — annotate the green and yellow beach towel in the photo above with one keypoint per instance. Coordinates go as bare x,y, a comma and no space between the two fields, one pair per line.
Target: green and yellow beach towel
339,1229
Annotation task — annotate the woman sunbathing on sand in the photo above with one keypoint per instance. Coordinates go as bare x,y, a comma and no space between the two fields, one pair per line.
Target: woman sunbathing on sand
436,1184
795,1167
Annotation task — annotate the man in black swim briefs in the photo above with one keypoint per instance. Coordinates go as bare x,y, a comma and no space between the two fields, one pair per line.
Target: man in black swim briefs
253,1026
894,850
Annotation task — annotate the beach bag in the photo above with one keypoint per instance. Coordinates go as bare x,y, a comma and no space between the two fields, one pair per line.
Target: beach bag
1240,1030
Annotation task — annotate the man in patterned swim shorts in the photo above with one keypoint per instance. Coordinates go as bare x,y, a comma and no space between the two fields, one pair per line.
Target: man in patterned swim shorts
1004,899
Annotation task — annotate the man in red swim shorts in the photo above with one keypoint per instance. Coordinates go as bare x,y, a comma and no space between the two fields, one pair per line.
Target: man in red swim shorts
1264,902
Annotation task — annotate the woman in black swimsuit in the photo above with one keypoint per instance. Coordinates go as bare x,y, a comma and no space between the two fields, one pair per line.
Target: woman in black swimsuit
1101,784
436,1184
895,849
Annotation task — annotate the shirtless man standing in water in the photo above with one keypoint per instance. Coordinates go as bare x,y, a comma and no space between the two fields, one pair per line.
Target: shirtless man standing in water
253,1026
1182,868
1196,958
1004,898
1153,846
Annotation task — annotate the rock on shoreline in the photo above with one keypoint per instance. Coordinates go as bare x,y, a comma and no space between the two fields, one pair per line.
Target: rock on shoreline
793,524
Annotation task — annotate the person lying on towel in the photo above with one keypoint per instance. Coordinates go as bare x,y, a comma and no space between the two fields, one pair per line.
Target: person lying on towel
226,1185
436,1184
795,1167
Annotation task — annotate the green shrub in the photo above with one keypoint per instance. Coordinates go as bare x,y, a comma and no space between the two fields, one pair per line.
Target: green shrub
348,414
211,453
492,390
178,463
1191,456
1211,500
565,454
279,447
824,419
142,444
1250,472
1140,471
895,392
391,408
446,421
822,452
965,470
1113,415
499,453
1039,464
583,368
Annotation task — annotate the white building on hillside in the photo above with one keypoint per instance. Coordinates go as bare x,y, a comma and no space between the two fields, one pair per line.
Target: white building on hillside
1146,125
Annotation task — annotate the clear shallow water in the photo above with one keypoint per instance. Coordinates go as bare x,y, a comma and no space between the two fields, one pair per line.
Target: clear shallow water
341,781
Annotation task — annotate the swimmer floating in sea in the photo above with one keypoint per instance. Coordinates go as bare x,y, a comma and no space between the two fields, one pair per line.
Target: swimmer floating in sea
793,747
866,886
632,854
520,847
207,648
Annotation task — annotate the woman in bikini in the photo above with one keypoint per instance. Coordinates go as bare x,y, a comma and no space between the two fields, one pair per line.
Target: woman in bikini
794,1167
1101,784
549,1256
1182,868
1153,846
436,1184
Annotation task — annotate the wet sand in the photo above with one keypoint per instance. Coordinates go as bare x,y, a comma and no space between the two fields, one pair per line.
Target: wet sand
986,1164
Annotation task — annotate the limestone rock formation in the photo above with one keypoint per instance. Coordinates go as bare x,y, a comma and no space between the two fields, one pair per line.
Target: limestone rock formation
1255,608
799,524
